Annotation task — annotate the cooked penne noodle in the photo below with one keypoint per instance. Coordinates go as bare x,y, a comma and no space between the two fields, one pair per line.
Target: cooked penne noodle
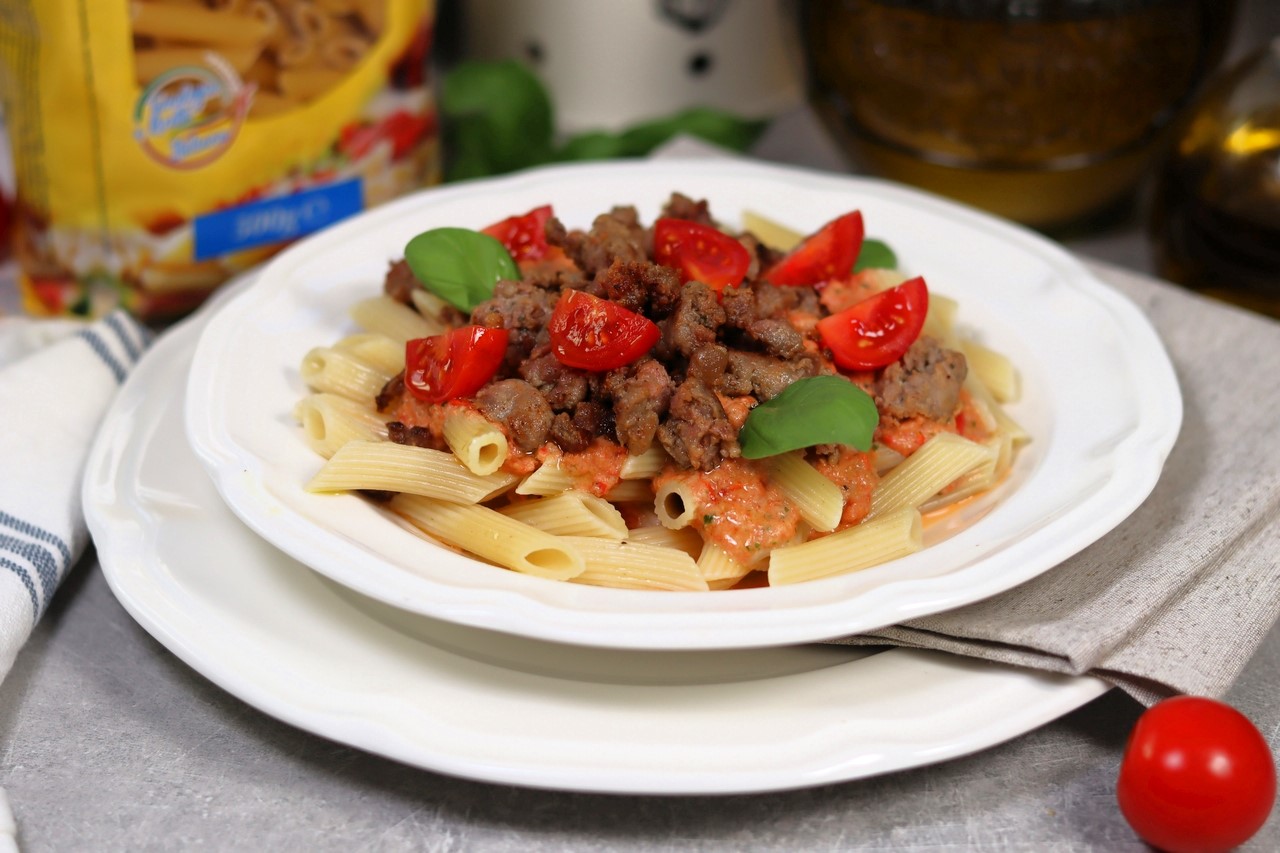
380,351
993,370
571,513
979,480
940,321
675,504
397,321
492,536
631,565
645,466
939,462
479,444
685,539
631,491
819,501
985,401
386,466
338,372
862,546
431,306
547,480
772,234
716,565
330,421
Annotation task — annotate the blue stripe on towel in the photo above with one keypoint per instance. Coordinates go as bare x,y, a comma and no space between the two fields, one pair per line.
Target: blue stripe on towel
38,556
26,581
116,323
26,528
96,344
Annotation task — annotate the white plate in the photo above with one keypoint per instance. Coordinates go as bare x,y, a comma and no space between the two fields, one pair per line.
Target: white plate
1100,400
489,706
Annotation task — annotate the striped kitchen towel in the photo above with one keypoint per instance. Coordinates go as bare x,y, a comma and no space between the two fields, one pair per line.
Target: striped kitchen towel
56,379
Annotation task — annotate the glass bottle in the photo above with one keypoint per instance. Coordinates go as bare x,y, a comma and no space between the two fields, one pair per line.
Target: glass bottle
1215,214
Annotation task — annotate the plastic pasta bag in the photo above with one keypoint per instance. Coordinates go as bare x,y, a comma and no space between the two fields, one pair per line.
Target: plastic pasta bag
161,146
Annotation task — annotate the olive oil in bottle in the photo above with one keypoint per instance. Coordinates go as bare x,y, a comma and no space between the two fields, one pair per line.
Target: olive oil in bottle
1215,217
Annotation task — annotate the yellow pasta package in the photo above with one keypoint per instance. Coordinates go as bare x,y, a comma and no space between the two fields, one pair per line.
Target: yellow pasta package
161,146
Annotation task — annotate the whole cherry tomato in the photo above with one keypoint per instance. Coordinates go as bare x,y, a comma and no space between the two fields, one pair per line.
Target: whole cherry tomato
525,237
456,364
1196,777
878,330
700,253
828,254
595,334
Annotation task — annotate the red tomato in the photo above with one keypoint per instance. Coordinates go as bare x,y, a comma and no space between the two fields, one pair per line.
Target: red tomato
700,253
1196,776
879,329
595,334
456,364
828,254
524,236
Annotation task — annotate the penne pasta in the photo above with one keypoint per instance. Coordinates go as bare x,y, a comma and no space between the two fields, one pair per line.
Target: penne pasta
337,372
631,565
379,351
480,445
939,462
716,566
492,536
993,370
820,501
547,480
685,539
385,466
214,29
645,466
631,491
675,504
571,513
862,546
329,421
386,316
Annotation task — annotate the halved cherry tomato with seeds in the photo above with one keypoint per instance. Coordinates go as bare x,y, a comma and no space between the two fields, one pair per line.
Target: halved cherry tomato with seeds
878,330
456,364
700,253
828,254
525,237
591,333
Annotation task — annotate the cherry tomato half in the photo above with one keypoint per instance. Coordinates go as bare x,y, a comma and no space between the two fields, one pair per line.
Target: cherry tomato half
456,364
595,334
829,253
878,330
700,253
1196,776
525,237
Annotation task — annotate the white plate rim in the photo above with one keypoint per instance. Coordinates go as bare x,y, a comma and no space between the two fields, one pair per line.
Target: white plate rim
1123,471
158,587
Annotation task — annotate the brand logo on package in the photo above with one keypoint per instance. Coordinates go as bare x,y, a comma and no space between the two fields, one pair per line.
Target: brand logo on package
189,116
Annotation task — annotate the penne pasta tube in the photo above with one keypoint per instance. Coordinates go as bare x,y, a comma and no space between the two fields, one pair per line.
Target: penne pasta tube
772,234
491,535
862,546
479,444
685,539
939,462
819,501
645,466
386,316
383,353
715,565
338,372
979,480
547,480
631,491
675,504
993,370
1000,419
940,320
571,513
330,421
629,565
431,306
386,466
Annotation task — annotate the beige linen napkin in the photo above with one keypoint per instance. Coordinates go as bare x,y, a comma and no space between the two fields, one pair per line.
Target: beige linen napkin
1179,596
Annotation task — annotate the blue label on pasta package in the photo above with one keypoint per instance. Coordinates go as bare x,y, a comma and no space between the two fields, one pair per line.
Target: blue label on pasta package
272,220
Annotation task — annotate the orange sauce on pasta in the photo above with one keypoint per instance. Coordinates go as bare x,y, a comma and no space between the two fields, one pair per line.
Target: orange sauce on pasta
596,469
855,474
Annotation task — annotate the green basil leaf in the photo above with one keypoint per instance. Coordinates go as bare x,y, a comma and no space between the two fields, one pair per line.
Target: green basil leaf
875,255
816,410
459,265
496,117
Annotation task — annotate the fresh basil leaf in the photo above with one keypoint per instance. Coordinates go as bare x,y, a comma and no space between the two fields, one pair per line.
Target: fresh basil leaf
496,117
815,410
714,126
459,265
875,255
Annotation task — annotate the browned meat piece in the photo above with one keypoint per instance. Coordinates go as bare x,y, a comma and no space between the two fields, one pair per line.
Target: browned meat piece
519,407
564,387
762,257
617,235
414,436
523,310
697,317
640,393
709,363
567,434
763,301
778,337
925,381
680,206
763,376
393,389
641,286
400,282
575,433
697,433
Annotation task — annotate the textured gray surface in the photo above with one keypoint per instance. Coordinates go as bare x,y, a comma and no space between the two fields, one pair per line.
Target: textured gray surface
111,743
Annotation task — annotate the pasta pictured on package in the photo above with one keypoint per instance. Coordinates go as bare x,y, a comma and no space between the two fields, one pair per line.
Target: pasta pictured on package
161,146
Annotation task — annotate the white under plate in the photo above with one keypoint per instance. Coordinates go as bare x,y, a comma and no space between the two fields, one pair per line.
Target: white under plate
489,706
1101,402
